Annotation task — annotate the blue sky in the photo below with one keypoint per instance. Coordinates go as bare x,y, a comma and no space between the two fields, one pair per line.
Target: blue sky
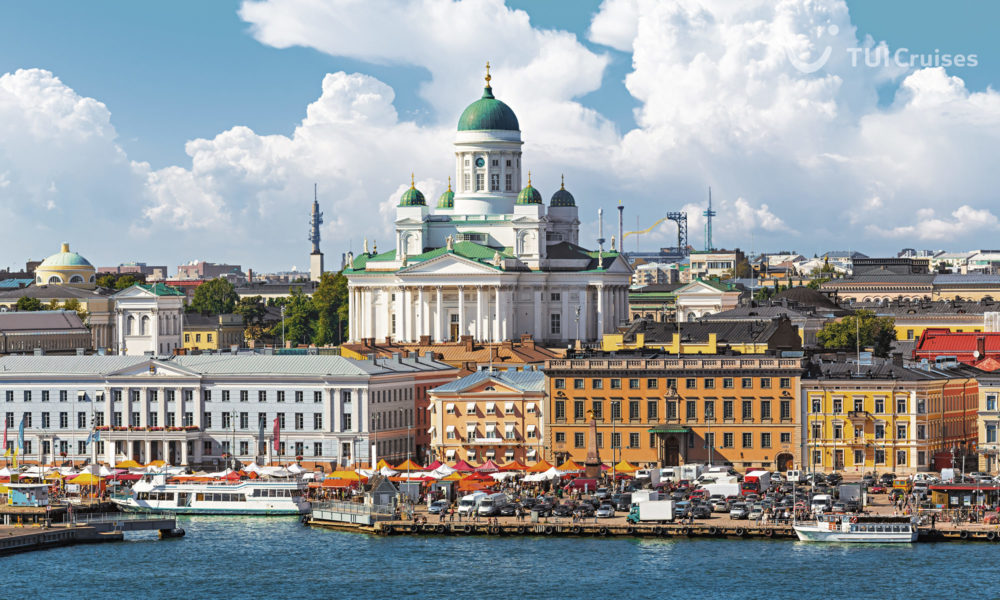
171,72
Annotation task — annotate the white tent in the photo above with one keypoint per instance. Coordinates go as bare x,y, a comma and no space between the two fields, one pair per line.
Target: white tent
442,471
220,473
552,473
252,468
295,469
5,472
503,475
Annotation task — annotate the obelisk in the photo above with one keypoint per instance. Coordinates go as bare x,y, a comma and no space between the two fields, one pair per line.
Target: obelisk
592,464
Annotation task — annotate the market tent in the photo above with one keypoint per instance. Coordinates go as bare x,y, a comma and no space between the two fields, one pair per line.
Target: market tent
551,473
381,465
86,479
128,464
295,468
455,476
232,476
252,468
568,466
488,467
5,472
338,483
463,466
514,466
156,463
539,467
351,475
442,471
624,467
433,465
409,465
126,477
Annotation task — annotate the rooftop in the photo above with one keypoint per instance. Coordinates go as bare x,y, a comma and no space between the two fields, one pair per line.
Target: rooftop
525,381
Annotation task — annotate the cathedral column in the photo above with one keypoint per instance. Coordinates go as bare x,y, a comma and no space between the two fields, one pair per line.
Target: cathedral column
155,322
352,313
372,317
421,305
538,333
600,312
121,331
461,311
400,310
438,315
584,297
496,314
479,313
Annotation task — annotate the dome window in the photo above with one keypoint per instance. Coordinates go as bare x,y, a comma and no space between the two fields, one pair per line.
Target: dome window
55,279
76,279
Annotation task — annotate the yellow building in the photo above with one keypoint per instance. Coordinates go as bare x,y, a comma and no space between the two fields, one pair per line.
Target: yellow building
888,417
988,422
912,318
707,337
216,332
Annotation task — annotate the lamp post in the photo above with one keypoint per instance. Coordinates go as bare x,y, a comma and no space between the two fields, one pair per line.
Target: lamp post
282,325
577,324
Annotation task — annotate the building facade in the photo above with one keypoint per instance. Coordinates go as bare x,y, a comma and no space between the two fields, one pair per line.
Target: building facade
742,410
50,331
988,424
149,319
200,410
491,260
213,332
888,417
490,415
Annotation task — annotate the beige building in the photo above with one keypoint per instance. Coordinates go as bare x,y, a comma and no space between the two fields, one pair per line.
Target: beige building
718,263
489,415
988,422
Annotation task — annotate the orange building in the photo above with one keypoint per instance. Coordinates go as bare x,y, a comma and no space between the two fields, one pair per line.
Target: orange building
489,415
669,411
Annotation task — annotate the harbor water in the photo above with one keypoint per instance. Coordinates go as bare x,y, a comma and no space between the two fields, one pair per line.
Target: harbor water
232,557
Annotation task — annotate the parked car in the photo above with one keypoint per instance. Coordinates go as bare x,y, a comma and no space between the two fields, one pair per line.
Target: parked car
886,479
839,507
701,511
738,511
602,493
586,509
756,512
564,510
605,511
437,506
508,510
877,488
719,505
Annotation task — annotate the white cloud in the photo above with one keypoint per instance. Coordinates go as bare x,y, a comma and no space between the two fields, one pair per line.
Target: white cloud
964,221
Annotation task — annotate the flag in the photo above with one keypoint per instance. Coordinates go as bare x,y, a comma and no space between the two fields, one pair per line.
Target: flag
6,450
277,434
19,449
95,436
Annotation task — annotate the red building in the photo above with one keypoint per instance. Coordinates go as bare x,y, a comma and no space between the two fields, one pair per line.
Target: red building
976,348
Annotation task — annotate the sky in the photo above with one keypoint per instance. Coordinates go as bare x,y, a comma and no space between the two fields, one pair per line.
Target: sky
166,132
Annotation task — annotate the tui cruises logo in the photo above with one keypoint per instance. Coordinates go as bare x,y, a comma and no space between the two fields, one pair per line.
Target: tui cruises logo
806,65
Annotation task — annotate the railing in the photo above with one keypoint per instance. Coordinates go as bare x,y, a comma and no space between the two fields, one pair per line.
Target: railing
597,364
112,517
352,508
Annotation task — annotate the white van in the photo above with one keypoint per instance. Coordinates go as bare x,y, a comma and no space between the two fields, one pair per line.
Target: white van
794,477
468,504
821,502
491,505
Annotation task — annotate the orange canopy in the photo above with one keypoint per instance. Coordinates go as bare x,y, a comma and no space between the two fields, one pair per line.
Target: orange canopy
338,483
540,467
381,463
624,467
128,464
453,477
409,465
514,466
569,465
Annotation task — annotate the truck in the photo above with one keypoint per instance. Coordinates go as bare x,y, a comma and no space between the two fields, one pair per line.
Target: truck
690,472
722,489
794,476
644,496
490,505
755,482
651,511
706,478
469,504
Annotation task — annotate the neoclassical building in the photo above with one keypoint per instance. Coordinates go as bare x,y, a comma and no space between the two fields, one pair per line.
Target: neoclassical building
149,319
490,260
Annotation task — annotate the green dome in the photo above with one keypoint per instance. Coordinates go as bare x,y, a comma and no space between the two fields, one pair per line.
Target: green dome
488,113
562,197
529,195
447,198
66,259
412,196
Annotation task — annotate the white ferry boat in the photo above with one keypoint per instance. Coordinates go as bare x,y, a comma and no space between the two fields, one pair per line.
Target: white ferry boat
154,494
858,528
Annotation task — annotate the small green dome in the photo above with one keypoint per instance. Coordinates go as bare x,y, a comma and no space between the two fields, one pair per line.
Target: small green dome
562,197
447,198
488,113
529,195
412,196
65,258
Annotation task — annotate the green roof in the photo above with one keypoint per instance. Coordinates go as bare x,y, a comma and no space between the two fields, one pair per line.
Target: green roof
161,289
488,113
562,197
470,250
447,199
412,197
66,259
529,195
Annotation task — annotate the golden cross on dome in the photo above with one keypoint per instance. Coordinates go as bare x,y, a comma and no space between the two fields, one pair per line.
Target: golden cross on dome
449,183
562,182
412,185
488,78
529,178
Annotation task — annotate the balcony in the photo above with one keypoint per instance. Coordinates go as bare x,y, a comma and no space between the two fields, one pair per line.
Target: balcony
858,417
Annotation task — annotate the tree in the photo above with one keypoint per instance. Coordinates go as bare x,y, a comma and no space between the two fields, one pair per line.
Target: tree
331,304
74,304
252,309
214,297
877,332
106,280
52,305
300,318
25,303
125,281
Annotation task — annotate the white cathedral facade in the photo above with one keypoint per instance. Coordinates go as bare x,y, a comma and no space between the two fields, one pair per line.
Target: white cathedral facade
490,260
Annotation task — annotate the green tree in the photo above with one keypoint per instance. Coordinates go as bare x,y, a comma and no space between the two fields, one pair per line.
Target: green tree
106,280
877,332
815,283
300,319
125,281
25,303
214,297
52,305
74,304
252,309
331,304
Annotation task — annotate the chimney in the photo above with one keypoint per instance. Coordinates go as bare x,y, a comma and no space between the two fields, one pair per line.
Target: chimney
425,340
981,345
250,275
467,342
897,359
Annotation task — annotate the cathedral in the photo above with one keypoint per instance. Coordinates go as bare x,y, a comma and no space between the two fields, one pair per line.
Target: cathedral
490,259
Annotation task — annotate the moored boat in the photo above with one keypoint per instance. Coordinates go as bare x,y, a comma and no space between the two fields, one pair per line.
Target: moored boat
866,529
154,494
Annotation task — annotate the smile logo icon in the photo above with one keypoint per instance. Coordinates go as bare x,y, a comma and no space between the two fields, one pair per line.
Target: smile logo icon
815,65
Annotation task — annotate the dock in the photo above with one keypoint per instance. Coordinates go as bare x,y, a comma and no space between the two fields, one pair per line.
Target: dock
88,529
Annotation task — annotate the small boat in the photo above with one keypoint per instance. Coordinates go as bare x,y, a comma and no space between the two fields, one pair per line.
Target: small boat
866,529
153,494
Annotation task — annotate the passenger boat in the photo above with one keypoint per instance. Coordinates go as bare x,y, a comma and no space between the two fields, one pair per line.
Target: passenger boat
153,494
858,528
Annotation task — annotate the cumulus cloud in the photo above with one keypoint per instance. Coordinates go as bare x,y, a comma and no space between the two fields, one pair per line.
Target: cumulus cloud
964,221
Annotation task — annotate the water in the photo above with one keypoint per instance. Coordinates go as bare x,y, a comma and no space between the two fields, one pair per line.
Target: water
227,557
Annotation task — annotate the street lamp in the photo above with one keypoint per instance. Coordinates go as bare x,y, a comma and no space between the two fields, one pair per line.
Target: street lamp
282,325
577,324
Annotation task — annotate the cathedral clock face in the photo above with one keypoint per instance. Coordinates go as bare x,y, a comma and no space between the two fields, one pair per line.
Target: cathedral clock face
480,162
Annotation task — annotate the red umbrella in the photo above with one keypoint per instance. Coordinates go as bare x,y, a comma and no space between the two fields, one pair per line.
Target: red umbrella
464,467
488,467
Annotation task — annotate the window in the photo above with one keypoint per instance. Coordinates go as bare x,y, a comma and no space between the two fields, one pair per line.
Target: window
299,421
509,182
616,384
746,382
45,395
785,383
555,327
467,186
9,395
281,396
879,456
709,383
817,431
765,440
748,440
817,405
578,384
691,410
710,440
901,457
299,396
597,384
901,404
633,384
633,440
560,410
27,395
747,414
207,395
262,396
578,410
616,440
727,440
281,420
63,420
901,431
691,383
786,438
651,384
188,419
909,334
838,406
651,410
671,384
616,410
765,383
560,437
879,405
578,440
838,431
727,409
600,439
494,182
116,419
597,407
244,420
633,410
765,410
81,420
786,410
560,384
479,182
227,420
317,421
671,409
921,458
709,410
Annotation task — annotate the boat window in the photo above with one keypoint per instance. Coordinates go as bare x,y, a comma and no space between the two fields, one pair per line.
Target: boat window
200,497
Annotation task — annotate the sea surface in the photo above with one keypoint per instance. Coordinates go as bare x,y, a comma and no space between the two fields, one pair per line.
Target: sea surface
247,557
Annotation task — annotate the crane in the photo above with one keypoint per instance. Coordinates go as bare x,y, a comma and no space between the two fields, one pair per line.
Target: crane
682,229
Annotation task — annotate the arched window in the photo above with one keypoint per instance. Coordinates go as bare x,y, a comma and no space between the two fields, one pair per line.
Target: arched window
691,316
55,279
93,278
144,327
129,325
38,279
76,279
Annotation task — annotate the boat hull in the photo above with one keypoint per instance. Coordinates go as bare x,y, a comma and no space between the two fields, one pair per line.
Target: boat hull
211,510
812,534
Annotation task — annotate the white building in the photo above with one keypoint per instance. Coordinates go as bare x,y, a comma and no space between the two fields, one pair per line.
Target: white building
490,261
149,319
700,298
195,410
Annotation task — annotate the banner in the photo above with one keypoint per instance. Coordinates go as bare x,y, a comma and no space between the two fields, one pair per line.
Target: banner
277,435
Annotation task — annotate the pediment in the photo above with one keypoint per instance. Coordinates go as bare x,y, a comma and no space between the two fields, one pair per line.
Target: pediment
133,292
699,288
448,264
153,369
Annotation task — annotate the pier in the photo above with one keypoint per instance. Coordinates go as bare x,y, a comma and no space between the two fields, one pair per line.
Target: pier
87,529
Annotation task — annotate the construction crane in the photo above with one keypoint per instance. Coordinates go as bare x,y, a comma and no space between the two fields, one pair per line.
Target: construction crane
682,229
